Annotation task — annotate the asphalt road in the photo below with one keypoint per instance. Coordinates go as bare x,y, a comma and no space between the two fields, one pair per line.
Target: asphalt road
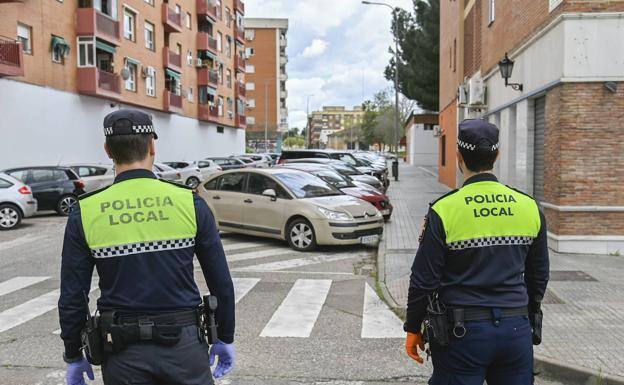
311,318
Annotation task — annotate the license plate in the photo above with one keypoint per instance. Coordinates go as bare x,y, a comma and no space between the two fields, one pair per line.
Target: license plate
385,212
369,239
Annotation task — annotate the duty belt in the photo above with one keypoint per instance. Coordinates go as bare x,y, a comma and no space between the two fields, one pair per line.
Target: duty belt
458,316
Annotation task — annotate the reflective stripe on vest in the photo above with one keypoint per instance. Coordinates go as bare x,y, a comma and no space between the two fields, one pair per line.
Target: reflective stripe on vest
138,215
488,214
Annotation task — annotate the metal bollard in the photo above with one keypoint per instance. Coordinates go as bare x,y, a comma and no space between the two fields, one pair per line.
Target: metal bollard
395,169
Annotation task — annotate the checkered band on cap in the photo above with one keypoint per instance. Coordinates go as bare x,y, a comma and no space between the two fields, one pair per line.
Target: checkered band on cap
142,247
512,240
145,129
467,146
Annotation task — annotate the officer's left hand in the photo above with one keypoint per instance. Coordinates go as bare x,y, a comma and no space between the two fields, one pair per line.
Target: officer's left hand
227,357
412,343
76,370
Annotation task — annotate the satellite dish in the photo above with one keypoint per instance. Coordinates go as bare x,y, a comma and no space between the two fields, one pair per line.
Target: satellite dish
125,74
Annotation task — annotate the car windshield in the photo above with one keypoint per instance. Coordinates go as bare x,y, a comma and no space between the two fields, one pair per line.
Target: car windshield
333,178
305,185
246,160
345,169
164,167
347,158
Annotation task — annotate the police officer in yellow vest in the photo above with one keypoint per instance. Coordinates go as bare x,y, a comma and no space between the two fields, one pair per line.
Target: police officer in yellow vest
479,274
141,234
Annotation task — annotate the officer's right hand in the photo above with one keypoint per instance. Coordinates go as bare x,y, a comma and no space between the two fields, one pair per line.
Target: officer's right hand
76,370
227,357
412,343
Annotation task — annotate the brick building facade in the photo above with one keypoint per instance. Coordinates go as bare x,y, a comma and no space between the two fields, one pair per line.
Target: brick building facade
182,61
562,137
332,119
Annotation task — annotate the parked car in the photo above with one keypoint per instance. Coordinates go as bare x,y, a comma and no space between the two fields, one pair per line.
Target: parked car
261,160
291,205
55,187
346,185
165,172
347,170
247,160
274,157
94,176
16,202
204,167
228,163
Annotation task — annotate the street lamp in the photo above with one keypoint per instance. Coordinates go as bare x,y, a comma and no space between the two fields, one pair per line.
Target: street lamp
395,14
506,68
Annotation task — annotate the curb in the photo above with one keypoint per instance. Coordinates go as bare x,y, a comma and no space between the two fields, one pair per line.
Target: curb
573,375
381,274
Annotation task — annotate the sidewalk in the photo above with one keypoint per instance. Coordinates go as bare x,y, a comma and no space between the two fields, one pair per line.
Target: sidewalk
583,308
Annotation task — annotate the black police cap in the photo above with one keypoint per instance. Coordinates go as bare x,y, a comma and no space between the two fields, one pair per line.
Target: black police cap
477,134
128,122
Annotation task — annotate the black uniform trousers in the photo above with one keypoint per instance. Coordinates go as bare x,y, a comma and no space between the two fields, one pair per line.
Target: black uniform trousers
186,363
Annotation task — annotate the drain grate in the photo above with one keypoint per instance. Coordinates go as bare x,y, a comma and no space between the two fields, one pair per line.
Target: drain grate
551,298
571,275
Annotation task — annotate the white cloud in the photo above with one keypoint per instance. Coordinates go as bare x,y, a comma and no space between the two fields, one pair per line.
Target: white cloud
316,48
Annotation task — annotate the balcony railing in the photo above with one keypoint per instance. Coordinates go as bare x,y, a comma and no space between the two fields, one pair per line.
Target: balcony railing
205,42
172,59
96,82
11,60
241,121
108,81
240,63
239,6
172,102
175,100
204,8
207,77
208,113
242,91
240,34
91,22
171,20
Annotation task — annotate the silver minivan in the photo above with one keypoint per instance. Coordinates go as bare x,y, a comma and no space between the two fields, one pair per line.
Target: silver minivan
16,202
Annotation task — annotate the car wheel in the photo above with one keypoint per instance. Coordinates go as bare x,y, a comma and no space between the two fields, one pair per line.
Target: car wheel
192,182
10,217
66,204
300,235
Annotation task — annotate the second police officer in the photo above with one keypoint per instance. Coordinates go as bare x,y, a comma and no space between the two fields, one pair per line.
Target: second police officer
479,274
141,234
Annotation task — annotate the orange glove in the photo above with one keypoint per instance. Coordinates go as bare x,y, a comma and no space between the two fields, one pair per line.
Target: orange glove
412,343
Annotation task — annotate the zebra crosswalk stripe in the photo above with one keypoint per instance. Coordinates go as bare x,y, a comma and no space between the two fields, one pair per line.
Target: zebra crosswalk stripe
241,245
28,310
258,254
297,314
292,263
378,321
242,286
18,283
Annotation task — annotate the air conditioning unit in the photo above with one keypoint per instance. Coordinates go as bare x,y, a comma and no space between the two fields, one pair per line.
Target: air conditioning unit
199,63
476,91
462,94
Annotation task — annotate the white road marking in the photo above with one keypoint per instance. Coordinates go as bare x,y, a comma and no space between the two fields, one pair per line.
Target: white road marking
18,283
19,241
294,272
242,286
242,245
292,263
94,286
378,321
297,314
259,254
28,310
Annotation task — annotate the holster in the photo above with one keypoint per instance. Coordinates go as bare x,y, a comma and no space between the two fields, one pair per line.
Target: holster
92,341
535,317
436,322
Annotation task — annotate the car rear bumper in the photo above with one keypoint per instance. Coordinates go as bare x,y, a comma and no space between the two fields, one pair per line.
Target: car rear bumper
28,206
349,233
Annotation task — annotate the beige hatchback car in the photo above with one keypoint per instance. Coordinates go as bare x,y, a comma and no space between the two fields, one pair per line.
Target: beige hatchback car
291,205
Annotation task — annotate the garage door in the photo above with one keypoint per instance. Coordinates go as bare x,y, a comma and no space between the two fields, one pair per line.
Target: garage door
538,148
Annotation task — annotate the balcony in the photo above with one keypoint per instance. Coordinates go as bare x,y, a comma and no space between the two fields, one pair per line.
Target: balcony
239,6
172,60
171,20
239,63
241,89
208,113
283,76
91,22
172,102
283,60
205,42
240,33
207,77
11,59
283,94
241,121
283,42
205,9
95,82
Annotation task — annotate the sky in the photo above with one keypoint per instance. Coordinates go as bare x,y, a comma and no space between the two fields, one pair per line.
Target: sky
337,50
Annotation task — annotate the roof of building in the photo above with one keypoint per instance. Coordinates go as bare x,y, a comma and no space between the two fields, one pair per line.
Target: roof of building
253,22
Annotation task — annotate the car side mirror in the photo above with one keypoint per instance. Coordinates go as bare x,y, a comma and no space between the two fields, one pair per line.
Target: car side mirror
270,193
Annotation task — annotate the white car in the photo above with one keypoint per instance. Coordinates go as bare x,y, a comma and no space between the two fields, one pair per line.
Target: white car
95,176
165,172
194,172
261,160
16,202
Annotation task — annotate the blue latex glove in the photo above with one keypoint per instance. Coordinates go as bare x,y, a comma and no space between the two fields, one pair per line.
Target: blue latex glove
227,357
76,370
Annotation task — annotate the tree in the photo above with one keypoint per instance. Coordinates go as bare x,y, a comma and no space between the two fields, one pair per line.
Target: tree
419,47
294,142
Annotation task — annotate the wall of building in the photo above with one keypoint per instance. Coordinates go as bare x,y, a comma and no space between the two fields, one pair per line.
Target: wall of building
265,45
447,162
422,146
451,46
66,127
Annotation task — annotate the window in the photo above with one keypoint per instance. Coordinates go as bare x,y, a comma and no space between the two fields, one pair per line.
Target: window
250,34
60,49
219,10
86,51
149,36
220,106
219,42
443,150
220,129
189,95
251,103
249,52
228,45
188,21
228,17
178,9
251,120
220,73
24,35
211,184
258,183
228,78
250,86
179,49
129,24
232,182
150,2
46,175
5,183
454,55
189,57
131,81
250,69
150,82
491,11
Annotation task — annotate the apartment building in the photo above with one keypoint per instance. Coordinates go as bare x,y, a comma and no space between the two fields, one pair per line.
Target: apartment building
558,107
266,42
331,119
64,65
